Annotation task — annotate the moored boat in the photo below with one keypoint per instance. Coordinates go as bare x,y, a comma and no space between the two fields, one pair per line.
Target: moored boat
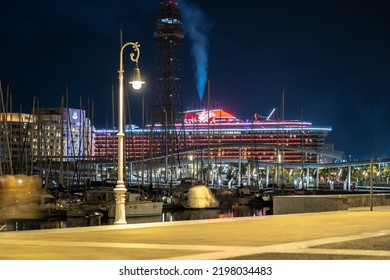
199,197
141,208
103,200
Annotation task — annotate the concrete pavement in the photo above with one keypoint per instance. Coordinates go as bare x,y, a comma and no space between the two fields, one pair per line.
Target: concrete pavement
357,233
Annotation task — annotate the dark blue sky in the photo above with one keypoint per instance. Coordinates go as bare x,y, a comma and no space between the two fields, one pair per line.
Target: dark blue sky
331,57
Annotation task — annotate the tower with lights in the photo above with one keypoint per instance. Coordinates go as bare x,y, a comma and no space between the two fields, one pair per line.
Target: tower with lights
168,34
168,99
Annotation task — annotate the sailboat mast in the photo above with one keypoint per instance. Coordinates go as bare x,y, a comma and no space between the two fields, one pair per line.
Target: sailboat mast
112,106
61,179
283,138
302,157
68,132
32,137
208,122
6,130
9,113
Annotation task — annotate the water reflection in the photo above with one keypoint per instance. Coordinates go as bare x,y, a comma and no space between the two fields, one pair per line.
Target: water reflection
167,216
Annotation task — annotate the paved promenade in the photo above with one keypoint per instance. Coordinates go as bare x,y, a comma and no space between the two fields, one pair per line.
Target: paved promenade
354,234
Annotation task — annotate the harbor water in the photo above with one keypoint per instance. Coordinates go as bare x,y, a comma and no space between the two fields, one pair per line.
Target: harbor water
167,216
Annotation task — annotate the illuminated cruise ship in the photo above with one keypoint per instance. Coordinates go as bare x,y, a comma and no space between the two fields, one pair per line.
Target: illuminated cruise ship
220,136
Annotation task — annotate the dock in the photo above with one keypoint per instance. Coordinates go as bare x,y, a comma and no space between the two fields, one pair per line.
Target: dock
354,234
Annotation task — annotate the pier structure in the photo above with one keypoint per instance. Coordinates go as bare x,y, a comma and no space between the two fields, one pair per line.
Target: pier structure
244,172
353,234
343,175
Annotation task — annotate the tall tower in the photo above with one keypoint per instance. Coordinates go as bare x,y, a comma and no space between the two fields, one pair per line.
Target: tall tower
168,100
168,34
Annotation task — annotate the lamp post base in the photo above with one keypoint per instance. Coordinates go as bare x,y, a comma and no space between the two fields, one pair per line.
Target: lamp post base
120,211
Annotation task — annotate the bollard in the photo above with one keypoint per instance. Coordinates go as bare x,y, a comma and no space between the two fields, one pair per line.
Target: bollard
94,218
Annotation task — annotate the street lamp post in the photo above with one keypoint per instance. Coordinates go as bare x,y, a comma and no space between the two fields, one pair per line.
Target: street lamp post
120,189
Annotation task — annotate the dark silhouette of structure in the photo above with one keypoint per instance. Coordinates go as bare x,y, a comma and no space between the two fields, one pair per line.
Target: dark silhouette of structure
168,34
168,108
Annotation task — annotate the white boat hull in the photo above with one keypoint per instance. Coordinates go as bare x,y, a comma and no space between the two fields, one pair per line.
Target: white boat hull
199,197
103,200
139,209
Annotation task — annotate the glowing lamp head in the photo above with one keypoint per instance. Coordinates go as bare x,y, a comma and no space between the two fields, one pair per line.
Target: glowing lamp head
137,82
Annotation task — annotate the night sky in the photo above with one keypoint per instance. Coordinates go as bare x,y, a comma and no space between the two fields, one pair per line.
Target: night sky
331,58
